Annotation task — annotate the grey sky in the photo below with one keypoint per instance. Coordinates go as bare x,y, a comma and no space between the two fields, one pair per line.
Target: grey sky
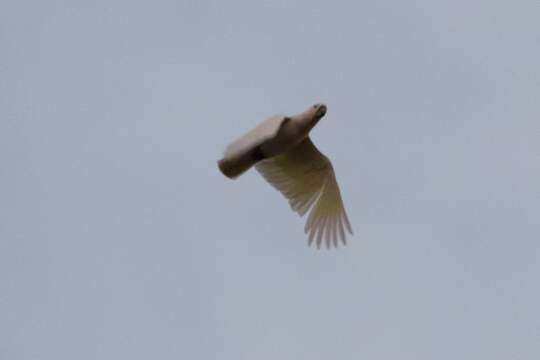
120,239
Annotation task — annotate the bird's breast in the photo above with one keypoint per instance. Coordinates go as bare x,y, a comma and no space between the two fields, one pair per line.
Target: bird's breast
287,138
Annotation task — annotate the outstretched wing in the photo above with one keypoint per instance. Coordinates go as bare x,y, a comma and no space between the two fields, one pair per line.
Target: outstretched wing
267,129
245,152
306,178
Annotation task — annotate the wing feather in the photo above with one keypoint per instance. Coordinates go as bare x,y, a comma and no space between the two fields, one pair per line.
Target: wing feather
306,178
255,137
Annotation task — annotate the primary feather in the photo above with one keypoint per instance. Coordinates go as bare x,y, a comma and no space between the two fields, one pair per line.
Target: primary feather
306,178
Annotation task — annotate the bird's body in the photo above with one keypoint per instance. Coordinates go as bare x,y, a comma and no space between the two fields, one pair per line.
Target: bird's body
281,150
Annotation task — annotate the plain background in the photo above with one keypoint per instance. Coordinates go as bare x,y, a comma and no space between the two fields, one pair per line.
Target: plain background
120,239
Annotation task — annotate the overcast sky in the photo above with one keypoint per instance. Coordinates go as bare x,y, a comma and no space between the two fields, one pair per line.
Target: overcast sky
120,239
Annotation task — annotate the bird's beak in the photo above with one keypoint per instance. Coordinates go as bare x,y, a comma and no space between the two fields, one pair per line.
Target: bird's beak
321,111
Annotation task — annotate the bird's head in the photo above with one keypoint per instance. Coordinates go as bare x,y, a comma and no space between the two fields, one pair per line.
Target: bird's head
319,111
312,115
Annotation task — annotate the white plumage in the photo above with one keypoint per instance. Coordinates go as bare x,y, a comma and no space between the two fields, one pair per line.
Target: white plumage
282,152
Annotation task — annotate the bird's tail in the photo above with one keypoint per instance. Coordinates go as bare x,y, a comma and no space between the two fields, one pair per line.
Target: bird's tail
234,166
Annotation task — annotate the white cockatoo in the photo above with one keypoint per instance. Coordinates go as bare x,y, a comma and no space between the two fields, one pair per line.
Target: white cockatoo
282,152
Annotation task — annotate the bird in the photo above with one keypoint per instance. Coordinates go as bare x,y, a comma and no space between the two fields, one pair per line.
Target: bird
281,150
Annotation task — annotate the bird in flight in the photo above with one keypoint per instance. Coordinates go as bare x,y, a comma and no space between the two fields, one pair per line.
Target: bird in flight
282,152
